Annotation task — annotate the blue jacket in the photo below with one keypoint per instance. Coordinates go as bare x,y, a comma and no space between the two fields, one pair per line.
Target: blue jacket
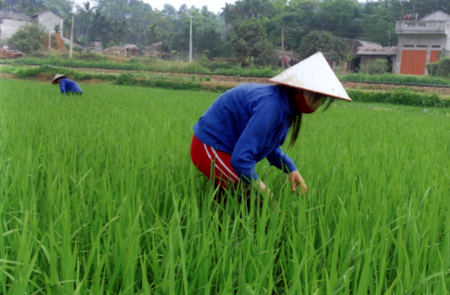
67,86
250,122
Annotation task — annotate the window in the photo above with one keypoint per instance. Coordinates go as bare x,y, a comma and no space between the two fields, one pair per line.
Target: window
435,46
408,46
422,46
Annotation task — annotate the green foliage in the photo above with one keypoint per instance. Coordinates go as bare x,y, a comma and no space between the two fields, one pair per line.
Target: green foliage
340,17
334,49
379,22
29,38
114,205
399,97
432,68
440,68
393,78
249,40
217,64
379,66
126,79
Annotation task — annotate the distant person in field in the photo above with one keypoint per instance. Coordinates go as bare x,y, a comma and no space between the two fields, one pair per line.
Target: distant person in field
251,122
67,86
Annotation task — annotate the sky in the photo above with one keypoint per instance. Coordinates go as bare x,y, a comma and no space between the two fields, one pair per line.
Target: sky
213,5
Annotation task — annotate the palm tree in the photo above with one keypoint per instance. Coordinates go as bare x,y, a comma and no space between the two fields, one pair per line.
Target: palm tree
86,16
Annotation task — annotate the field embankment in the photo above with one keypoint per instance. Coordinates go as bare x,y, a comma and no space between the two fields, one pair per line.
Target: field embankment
420,96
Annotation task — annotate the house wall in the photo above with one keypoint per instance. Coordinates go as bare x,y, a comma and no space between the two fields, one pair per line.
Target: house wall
426,46
9,26
49,20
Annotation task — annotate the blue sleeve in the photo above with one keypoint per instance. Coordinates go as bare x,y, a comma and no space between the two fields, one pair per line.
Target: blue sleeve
280,160
62,86
252,139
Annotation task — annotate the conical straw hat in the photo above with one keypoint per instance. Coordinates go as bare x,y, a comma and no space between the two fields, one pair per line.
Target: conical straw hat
57,76
313,74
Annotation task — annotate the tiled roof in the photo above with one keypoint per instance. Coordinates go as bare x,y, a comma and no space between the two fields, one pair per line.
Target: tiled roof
377,50
19,16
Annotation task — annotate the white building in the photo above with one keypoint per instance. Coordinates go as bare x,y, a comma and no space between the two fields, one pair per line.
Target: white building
419,42
12,22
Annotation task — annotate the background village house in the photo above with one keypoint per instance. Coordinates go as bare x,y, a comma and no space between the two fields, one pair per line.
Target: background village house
419,42
12,22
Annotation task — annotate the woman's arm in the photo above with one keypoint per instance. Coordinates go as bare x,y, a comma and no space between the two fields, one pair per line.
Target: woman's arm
280,160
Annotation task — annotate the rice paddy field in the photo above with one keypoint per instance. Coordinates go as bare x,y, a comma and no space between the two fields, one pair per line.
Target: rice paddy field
98,196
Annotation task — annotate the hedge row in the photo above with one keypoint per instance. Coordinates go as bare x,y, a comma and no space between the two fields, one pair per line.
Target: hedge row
145,65
128,79
392,78
397,97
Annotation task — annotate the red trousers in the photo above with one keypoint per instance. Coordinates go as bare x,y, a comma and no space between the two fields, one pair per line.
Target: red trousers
205,158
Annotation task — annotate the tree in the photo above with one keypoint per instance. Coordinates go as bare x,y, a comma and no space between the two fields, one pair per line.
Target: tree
29,39
340,17
245,9
249,40
169,10
334,49
85,14
425,7
379,25
151,33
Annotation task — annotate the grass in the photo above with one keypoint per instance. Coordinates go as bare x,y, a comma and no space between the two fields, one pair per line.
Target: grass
98,196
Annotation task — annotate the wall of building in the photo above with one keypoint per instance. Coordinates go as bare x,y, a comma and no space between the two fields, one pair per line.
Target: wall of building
9,26
426,46
49,20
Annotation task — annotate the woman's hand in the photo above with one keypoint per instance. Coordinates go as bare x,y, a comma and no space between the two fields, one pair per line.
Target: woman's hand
264,189
297,181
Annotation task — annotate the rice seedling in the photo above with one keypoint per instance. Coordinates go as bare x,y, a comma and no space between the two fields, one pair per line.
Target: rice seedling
98,196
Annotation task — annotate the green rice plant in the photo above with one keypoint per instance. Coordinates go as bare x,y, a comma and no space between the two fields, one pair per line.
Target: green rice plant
98,196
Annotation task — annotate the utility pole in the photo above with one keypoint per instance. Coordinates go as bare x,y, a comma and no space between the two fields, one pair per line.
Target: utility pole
282,38
190,40
71,37
49,39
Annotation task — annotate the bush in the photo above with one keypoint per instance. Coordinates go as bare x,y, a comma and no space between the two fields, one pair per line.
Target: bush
440,68
379,66
126,79
29,39
443,67
432,68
